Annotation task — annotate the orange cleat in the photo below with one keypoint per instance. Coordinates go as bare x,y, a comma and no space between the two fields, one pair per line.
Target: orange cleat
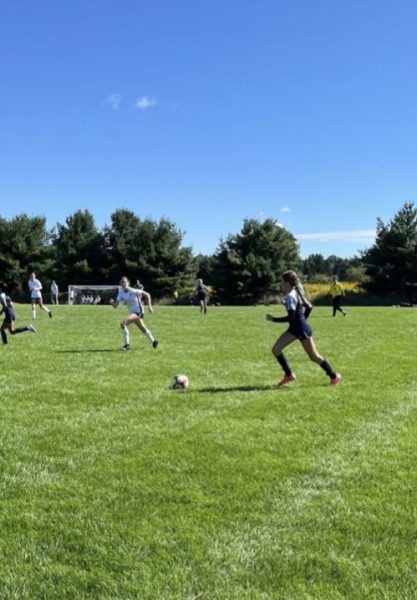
286,379
336,379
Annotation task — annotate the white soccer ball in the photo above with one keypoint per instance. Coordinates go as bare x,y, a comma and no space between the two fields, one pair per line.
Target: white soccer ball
180,382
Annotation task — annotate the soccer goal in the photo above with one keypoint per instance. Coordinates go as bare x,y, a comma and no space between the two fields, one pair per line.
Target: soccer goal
91,294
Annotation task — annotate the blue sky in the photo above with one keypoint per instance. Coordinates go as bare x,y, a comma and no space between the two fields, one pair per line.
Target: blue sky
210,111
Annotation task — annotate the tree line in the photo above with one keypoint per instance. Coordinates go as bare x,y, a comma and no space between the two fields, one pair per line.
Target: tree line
245,268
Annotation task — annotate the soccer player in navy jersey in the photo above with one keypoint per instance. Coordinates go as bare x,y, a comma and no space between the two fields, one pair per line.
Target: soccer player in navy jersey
132,298
7,309
298,310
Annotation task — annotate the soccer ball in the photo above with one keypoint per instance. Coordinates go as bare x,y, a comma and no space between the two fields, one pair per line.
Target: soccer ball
180,382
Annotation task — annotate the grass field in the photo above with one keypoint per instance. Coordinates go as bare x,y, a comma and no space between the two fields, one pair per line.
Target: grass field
113,486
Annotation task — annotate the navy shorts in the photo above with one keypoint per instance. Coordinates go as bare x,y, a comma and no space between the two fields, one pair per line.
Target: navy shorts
302,331
9,315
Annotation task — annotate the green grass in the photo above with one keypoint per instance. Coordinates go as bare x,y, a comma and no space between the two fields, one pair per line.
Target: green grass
113,486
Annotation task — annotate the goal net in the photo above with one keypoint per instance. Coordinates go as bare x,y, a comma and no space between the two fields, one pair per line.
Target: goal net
91,294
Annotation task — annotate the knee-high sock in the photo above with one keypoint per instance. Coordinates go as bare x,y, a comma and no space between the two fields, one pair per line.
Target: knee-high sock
33,313
149,336
284,364
327,369
4,337
19,330
126,336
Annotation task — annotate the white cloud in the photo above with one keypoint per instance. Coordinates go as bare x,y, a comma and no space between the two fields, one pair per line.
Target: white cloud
357,236
113,101
285,209
145,102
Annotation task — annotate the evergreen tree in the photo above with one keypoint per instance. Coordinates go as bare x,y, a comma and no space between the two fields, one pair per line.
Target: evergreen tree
149,250
79,250
391,263
24,247
249,264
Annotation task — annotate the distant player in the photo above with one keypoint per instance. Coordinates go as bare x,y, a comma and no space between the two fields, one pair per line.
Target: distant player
298,309
201,292
54,293
133,299
337,292
7,309
35,288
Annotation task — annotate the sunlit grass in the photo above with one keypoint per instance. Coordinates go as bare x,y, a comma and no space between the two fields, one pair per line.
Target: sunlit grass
114,486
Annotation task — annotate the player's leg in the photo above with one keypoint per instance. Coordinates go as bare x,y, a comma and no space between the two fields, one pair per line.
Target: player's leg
142,327
125,333
45,308
3,332
277,350
15,330
309,346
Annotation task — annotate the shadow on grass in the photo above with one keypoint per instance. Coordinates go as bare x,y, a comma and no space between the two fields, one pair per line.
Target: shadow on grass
98,350
238,388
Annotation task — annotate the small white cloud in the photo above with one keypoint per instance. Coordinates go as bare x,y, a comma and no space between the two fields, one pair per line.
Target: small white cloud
145,102
285,209
357,236
113,101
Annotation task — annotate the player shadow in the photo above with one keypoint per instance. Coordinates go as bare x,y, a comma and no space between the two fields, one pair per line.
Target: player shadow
238,388
95,350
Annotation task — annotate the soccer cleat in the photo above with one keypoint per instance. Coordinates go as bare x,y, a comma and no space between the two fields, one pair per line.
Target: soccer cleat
286,379
50,315
155,343
125,348
336,379
32,329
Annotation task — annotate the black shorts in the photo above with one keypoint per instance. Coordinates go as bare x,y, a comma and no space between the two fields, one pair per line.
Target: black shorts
201,296
337,301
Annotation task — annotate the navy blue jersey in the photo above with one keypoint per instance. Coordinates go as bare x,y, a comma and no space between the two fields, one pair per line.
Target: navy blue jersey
7,305
296,317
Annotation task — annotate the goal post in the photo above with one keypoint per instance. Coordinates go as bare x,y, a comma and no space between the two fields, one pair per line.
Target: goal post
91,294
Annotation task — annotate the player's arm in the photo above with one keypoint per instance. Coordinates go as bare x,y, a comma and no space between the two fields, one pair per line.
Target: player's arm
148,299
278,319
115,302
307,310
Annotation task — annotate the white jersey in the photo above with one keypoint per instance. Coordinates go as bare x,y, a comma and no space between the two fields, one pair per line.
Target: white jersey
54,288
35,287
132,299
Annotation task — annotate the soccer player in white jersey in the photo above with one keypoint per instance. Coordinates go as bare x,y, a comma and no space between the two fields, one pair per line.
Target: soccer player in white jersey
35,288
133,300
